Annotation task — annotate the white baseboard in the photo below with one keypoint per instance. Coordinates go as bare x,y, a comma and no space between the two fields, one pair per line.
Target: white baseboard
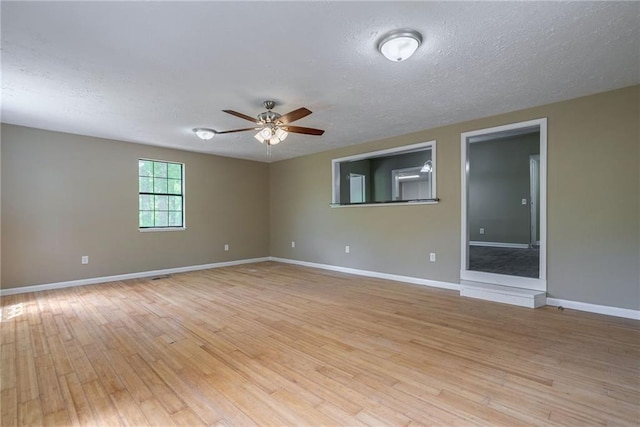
367,273
95,280
595,308
499,244
592,308
575,305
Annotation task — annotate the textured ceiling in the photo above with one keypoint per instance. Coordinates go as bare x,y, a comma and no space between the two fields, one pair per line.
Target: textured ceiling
148,72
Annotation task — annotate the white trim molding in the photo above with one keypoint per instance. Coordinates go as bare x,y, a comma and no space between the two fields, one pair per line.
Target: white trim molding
368,273
142,274
592,308
369,205
595,308
499,244
575,305
504,294
467,138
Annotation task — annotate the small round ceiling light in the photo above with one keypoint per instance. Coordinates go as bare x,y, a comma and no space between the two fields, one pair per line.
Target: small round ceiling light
399,45
204,134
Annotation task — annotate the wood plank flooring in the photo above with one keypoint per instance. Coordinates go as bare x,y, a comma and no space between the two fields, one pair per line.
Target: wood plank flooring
282,345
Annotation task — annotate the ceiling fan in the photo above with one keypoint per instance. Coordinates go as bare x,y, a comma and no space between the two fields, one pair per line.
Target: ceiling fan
272,127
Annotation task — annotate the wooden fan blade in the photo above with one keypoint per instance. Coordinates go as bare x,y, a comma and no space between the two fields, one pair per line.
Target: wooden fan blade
235,130
306,131
242,116
294,115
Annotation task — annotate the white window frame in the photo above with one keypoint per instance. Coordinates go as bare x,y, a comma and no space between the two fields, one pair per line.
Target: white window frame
335,174
184,213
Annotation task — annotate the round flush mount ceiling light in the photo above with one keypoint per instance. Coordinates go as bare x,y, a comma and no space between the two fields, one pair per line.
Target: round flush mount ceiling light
204,133
399,45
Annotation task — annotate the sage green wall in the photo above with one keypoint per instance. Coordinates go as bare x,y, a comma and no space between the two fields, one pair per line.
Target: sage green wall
64,196
593,205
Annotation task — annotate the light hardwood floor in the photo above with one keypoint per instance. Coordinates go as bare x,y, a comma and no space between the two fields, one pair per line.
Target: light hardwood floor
275,344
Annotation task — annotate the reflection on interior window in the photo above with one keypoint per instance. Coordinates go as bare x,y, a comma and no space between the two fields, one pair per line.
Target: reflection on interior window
404,174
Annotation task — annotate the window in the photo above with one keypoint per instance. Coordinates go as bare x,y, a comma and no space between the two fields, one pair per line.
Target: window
161,194
399,175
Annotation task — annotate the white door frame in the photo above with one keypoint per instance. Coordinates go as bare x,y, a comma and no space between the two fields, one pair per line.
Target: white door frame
534,182
539,283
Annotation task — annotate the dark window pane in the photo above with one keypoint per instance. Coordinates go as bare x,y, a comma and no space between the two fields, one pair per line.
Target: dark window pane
146,219
174,171
159,169
175,203
160,185
162,203
162,219
146,185
145,168
146,202
175,186
175,219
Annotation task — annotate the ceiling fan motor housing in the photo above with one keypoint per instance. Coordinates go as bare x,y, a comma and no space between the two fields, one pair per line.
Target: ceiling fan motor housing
269,104
268,117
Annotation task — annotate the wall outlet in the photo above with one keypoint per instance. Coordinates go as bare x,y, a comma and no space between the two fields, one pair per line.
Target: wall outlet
85,259
432,257
524,201
347,249
226,247
482,231
293,243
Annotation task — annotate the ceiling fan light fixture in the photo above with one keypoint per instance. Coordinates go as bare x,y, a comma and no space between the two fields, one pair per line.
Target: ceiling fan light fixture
204,134
271,137
281,134
259,137
266,132
399,45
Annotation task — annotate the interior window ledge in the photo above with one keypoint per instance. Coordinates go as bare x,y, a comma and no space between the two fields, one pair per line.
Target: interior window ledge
403,203
152,230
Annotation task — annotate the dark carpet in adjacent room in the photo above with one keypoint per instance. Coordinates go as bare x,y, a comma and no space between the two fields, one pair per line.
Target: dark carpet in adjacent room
511,261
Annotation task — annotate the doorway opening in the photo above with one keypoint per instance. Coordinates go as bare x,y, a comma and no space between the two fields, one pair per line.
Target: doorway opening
357,189
504,205
410,184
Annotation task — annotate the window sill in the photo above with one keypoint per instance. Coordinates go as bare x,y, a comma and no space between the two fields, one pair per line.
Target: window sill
153,230
366,205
